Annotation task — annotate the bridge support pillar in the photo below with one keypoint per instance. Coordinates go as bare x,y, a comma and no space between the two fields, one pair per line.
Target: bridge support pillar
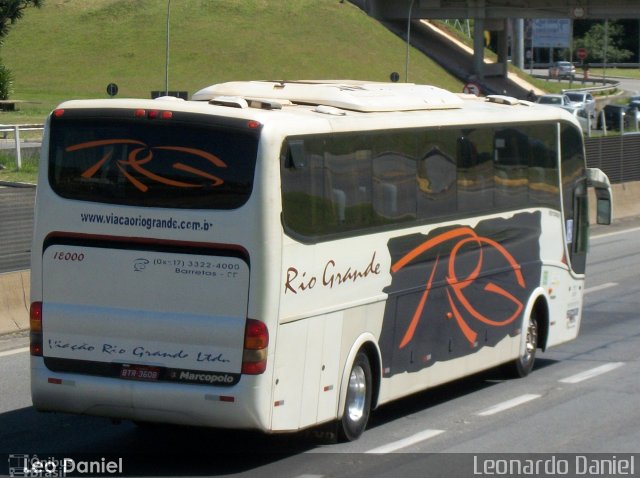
498,27
517,46
478,47
503,49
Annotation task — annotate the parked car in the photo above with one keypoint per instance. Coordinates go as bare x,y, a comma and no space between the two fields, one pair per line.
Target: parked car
562,69
582,115
635,101
556,100
633,117
614,114
583,99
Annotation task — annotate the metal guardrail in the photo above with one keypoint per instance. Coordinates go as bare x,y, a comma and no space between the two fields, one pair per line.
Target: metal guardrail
16,129
607,84
16,228
543,65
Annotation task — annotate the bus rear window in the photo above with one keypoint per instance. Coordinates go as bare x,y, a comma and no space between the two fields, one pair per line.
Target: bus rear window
188,161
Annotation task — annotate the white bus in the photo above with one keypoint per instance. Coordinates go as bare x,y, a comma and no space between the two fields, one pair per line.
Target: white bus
278,255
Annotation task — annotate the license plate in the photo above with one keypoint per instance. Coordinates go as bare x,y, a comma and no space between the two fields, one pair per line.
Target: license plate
139,372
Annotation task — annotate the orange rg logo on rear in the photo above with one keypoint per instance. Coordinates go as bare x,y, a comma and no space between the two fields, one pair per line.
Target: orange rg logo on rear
139,163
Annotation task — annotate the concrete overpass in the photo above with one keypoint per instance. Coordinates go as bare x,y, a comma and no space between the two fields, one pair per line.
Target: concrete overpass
494,15
500,9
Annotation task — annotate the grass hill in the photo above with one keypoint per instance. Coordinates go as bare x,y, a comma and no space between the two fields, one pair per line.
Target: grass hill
75,48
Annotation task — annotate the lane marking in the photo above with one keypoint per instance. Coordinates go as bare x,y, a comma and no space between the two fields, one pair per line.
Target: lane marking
594,372
514,402
616,233
405,442
14,352
596,288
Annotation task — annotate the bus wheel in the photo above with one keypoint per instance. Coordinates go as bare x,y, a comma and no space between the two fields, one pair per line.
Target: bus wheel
523,365
357,405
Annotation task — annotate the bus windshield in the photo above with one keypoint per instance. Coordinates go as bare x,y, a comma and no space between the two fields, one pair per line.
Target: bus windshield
179,162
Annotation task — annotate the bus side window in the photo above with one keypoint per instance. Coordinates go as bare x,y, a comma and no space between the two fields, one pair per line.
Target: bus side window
511,175
543,173
294,155
436,184
349,178
475,174
394,192
306,206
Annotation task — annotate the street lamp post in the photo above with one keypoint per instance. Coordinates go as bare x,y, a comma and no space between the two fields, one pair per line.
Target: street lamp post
166,70
406,61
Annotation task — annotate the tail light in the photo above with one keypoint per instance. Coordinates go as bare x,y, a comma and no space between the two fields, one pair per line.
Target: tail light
153,114
256,341
35,324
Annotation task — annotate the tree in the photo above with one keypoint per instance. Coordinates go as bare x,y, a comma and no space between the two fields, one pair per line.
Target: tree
11,11
594,42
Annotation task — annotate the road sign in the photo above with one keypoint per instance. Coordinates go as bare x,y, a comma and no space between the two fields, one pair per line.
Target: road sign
578,13
112,89
582,53
471,88
551,33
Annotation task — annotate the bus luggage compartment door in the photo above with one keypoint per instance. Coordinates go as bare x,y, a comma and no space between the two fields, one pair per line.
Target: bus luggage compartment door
144,314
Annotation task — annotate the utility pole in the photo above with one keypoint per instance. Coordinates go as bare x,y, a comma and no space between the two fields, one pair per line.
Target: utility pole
166,70
606,47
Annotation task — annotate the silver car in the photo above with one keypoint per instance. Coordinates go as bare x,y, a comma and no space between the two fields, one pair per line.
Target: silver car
562,69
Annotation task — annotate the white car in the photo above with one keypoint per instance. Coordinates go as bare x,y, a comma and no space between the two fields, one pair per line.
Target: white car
557,100
585,100
582,115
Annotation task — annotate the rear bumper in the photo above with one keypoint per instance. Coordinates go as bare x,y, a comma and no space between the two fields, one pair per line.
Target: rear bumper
239,406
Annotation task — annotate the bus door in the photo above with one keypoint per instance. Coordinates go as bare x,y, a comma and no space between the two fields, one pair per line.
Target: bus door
574,197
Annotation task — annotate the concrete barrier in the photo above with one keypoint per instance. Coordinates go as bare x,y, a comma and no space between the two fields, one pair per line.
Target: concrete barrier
626,200
15,293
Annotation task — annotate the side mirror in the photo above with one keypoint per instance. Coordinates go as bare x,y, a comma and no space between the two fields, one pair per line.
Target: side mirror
604,209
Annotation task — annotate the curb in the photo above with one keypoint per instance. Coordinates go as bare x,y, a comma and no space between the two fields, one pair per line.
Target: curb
12,184
15,294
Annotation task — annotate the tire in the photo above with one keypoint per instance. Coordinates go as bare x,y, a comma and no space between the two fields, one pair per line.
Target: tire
523,365
357,406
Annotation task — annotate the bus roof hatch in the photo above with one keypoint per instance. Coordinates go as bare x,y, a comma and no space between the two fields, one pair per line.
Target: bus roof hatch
347,94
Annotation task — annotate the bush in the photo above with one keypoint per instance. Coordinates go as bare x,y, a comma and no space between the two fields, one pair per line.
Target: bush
6,82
